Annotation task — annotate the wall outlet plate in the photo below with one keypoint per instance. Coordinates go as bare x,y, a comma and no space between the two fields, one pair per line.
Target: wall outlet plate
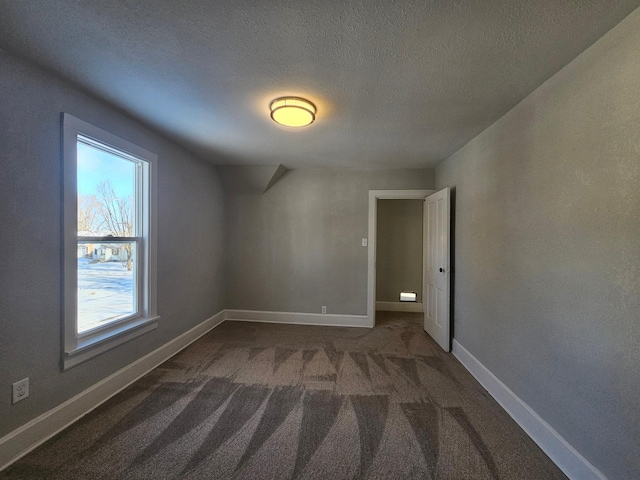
364,242
324,309
20,390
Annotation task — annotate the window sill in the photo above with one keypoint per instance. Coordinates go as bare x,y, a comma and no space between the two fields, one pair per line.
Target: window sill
90,347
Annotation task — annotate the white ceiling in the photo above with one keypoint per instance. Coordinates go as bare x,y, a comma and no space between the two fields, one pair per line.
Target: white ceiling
397,83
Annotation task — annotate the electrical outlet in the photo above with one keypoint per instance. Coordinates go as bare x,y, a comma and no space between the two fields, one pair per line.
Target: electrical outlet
20,390
364,242
324,309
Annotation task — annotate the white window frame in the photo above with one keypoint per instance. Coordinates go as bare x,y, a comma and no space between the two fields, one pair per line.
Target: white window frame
78,348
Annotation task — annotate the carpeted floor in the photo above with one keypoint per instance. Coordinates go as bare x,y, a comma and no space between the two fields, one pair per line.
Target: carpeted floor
264,401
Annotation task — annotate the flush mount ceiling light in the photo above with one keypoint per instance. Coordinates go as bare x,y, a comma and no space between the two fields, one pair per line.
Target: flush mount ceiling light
292,111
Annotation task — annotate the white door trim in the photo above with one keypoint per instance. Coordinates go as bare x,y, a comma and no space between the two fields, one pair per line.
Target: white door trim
374,195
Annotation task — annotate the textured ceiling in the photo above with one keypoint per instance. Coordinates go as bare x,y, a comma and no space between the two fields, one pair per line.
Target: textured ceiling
397,83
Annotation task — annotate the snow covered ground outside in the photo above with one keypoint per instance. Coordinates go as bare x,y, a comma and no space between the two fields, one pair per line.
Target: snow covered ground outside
105,293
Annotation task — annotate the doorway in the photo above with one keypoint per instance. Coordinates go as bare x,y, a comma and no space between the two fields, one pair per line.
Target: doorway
435,258
399,250
374,196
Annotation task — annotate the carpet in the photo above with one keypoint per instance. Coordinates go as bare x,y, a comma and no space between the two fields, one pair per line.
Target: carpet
267,401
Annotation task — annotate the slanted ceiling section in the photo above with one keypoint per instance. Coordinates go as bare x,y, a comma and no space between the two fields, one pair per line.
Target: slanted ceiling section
250,178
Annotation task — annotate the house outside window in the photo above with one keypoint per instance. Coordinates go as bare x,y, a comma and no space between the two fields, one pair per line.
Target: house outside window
109,241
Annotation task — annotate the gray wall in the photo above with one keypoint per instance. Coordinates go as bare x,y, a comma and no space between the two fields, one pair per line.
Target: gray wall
298,246
190,236
398,249
547,250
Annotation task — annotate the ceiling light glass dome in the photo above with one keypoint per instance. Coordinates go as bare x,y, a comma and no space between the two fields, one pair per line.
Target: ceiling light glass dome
292,111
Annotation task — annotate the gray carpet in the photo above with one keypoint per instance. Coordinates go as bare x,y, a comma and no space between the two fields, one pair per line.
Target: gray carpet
264,401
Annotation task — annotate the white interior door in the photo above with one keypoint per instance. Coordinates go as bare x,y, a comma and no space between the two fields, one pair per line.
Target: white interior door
435,293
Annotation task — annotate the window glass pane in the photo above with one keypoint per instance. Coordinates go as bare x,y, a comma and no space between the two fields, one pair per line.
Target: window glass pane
106,193
106,283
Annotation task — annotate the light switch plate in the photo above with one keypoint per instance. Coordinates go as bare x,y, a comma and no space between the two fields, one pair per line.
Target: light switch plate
364,242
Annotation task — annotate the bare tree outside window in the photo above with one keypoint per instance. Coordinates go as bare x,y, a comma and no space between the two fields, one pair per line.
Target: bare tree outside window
107,214
116,217
88,210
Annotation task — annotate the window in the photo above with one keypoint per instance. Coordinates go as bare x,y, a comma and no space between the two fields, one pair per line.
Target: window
109,241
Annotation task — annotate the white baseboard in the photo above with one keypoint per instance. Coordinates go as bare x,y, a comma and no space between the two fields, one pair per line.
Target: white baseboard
399,307
24,439
567,458
327,320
